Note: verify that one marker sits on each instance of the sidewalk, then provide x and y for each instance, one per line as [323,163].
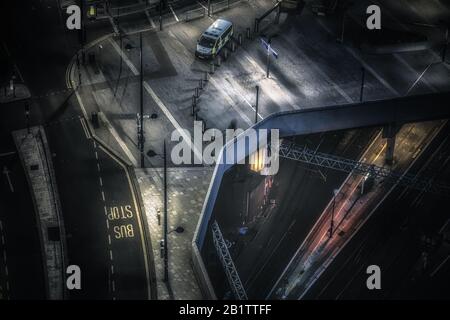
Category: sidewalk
[187,189]
[34,153]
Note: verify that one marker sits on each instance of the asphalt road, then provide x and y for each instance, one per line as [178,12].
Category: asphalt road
[103,232]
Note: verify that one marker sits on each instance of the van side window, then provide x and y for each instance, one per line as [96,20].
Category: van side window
[226,33]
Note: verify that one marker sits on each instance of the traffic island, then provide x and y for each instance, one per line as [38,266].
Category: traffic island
[35,156]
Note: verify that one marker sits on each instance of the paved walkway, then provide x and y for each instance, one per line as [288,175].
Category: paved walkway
[187,189]
[34,153]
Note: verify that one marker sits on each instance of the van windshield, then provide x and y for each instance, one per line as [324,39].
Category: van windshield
[207,42]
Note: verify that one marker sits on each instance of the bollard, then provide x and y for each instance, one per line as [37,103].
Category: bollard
[194,103]
[211,70]
[203,126]
[200,84]
[240,39]
[248,33]
[219,60]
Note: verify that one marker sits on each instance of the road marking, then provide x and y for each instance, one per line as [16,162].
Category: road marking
[171,9]
[6,269]
[111,255]
[86,131]
[109,239]
[98,167]
[106,210]
[231,102]
[96,155]
[202,5]
[101,181]
[158,101]
[138,218]
[103,196]
[107,224]
[111,20]
[409,67]
[113,286]
[418,79]
[439,266]
[7,154]
[366,66]
[112,269]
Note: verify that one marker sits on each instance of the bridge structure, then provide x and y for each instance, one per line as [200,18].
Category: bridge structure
[383,113]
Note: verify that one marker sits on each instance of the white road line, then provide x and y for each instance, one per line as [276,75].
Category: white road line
[95,145]
[409,67]
[158,101]
[107,224]
[113,286]
[440,231]
[109,239]
[101,181]
[106,210]
[103,196]
[148,17]
[86,131]
[119,140]
[173,12]
[439,266]
[111,255]
[231,102]
[96,155]
[366,66]
[202,5]
[112,269]
[98,167]
[6,270]
[418,79]
[138,213]
[111,20]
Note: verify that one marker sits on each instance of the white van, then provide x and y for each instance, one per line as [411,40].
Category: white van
[214,39]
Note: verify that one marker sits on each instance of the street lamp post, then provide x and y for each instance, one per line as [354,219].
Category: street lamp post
[256,104]
[166,251]
[27,116]
[363,78]
[141,118]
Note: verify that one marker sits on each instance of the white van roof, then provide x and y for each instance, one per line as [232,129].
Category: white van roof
[217,28]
